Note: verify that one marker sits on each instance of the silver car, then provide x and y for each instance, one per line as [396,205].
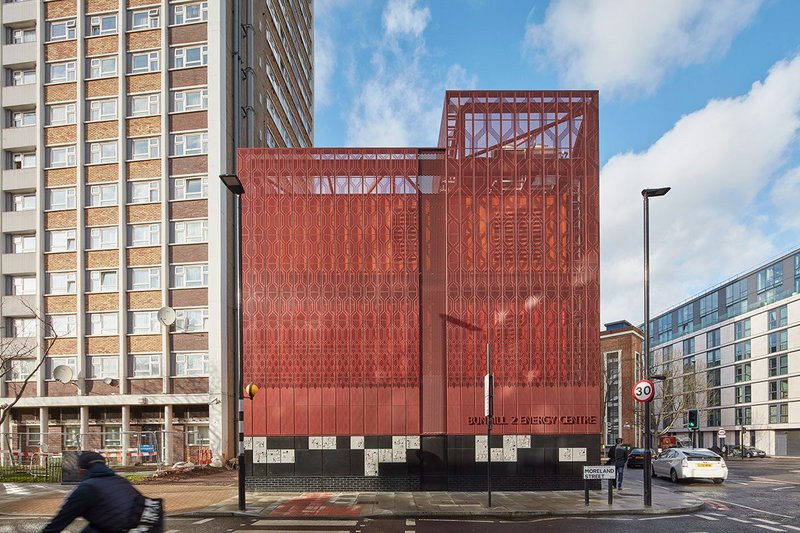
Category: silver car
[690,463]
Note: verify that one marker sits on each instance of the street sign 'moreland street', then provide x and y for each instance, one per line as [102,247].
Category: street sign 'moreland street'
[599,472]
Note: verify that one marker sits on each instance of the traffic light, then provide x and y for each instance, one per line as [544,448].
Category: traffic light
[693,419]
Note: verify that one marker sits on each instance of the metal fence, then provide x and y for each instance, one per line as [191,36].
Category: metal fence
[20,467]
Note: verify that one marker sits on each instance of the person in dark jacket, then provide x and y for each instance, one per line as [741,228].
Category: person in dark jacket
[107,501]
[620,458]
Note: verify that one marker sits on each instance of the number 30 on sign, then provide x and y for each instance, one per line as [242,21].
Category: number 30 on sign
[643,390]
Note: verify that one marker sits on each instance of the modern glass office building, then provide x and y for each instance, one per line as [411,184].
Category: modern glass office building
[375,278]
[732,354]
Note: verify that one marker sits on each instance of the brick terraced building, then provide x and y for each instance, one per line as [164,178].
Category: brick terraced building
[374,279]
[118,118]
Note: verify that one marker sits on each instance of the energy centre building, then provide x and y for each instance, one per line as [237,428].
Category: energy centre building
[375,278]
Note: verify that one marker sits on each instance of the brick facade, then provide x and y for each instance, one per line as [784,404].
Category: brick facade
[102,345]
[101,45]
[62,92]
[102,302]
[101,216]
[188,77]
[59,176]
[150,168]
[188,253]
[108,129]
[145,300]
[102,87]
[143,83]
[60,261]
[102,258]
[60,8]
[144,343]
[144,40]
[60,135]
[628,342]
[101,173]
[144,126]
[61,51]
[145,256]
[61,219]
[144,213]
[66,303]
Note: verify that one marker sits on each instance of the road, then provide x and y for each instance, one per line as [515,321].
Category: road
[760,495]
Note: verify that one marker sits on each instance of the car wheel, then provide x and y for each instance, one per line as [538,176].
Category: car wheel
[750,454]
[718,480]
[673,476]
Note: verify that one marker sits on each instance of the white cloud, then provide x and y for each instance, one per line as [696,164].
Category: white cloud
[399,103]
[326,15]
[720,162]
[628,46]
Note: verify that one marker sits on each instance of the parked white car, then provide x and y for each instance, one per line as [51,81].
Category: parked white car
[690,463]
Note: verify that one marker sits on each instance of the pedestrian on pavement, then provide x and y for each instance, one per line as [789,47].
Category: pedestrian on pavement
[620,457]
[107,501]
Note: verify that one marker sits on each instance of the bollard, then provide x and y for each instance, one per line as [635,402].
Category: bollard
[610,492]
[586,492]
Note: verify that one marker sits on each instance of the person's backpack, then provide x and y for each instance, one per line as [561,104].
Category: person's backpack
[151,515]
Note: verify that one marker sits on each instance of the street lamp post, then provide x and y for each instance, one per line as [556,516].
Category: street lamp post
[648,438]
[235,186]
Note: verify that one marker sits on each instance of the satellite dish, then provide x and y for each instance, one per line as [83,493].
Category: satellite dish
[166,315]
[62,374]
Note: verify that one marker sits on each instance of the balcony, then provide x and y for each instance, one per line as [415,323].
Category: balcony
[19,138]
[19,305]
[17,12]
[20,180]
[20,53]
[19,221]
[19,263]
[20,95]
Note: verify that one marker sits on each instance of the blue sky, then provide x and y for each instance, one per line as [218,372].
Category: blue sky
[700,96]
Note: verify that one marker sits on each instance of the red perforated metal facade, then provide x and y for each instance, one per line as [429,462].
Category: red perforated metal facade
[373,278]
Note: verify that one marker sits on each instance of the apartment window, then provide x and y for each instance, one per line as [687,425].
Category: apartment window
[23,35]
[190,13]
[61,114]
[779,389]
[709,306]
[145,234]
[779,413]
[145,365]
[190,56]
[742,350]
[72,437]
[190,100]
[197,436]
[688,363]
[105,152]
[33,436]
[22,285]
[102,25]
[145,148]
[190,144]
[741,329]
[190,188]
[688,346]
[20,119]
[145,278]
[23,327]
[777,341]
[112,436]
[22,244]
[102,67]
[685,315]
[101,238]
[103,367]
[143,322]
[712,358]
[61,282]
[186,276]
[61,30]
[21,160]
[714,418]
[713,398]
[190,320]
[777,318]
[62,325]
[22,368]
[23,77]
[144,192]
[714,378]
[25,201]
[141,62]
[769,277]
[63,198]
[144,105]
[61,156]
[103,109]
[712,338]
[744,394]
[744,416]
[190,231]
[102,280]
[736,292]
[102,195]
[55,362]
[145,19]
[191,364]
[61,72]
[102,323]
[61,240]
[778,365]
[742,372]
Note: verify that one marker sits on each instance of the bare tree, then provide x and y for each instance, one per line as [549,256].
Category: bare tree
[683,389]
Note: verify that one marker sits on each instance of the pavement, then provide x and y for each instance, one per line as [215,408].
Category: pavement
[20,499]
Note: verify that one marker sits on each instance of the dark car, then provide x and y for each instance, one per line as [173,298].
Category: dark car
[636,458]
[751,451]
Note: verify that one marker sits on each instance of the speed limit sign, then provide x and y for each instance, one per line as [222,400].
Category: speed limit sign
[643,390]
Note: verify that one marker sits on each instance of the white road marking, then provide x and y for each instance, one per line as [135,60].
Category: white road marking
[203,521]
[410,522]
[767,521]
[716,514]
[791,527]
[739,520]
[303,522]
[292,531]
[662,517]
[784,488]
[757,510]
[704,517]
[769,527]
[172,531]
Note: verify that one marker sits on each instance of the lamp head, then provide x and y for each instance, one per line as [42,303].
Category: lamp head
[233,183]
[651,193]
[658,377]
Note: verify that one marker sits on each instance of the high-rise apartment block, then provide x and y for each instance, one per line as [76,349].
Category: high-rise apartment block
[118,118]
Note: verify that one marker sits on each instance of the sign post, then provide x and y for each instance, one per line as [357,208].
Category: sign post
[608,472]
[488,408]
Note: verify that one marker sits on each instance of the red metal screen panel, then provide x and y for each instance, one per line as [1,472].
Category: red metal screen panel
[374,278]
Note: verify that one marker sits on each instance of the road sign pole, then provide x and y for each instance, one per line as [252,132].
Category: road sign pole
[489,407]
